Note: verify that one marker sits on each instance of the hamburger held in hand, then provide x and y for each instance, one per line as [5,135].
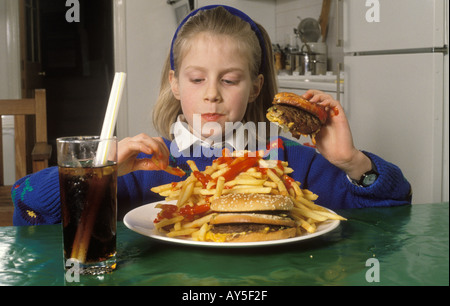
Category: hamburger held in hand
[297,115]
[251,217]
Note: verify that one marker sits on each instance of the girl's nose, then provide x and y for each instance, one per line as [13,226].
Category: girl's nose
[212,94]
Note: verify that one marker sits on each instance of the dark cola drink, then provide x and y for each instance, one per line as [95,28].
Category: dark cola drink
[89,214]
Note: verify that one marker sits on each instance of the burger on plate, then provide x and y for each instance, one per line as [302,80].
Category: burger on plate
[250,218]
[296,115]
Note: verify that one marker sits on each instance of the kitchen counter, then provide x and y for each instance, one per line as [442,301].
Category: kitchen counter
[319,82]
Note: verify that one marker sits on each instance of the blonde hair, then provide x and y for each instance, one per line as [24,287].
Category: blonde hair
[218,21]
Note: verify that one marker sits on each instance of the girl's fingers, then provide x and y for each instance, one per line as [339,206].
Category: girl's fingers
[144,144]
[129,149]
[145,164]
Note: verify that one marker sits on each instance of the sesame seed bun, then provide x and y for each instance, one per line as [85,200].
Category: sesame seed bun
[241,202]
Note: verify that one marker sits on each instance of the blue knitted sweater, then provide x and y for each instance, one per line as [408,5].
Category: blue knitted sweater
[36,196]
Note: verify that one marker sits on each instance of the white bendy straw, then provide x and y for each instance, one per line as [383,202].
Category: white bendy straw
[109,122]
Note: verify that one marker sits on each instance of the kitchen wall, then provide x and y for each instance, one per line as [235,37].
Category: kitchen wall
[149,26]
[262,11]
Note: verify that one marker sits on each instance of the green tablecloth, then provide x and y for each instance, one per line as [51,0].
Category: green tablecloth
[410,245]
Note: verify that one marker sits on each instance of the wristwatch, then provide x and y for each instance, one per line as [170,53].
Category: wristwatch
[367,178]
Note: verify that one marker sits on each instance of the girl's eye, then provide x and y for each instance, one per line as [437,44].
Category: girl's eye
[196,81]
[229,82]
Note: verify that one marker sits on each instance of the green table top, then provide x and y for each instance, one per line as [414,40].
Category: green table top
[410,245]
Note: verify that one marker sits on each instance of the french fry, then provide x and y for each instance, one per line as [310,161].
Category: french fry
[201,233]
[308,203]
[169,169]
[304,224]
[251,181]
[182,232]
[257,175]
[170,194]
[273,176]
[282,188]
[270,184]
[192,165]
[210,169]
[278,171]
[219,187]
[330,215]
[310,195]
[162,188]
[185,194]
[199,222]
[165,222]
[288,170]
[297,190]
[220,172]
[308,213]
[210,184]
[291,192]
[177,226]
[248,189]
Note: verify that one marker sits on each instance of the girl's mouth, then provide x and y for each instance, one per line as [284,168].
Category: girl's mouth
[211,116]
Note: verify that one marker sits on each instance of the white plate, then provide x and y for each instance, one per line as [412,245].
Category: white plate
[141,219]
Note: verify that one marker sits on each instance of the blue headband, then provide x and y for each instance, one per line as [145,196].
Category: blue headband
[234,12]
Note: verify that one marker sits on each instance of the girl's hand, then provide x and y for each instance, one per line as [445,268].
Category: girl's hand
[334,140]
[130,147]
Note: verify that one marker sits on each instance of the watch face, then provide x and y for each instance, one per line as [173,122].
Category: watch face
[369,179]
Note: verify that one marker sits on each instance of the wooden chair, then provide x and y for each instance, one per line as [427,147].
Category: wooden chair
[32,151]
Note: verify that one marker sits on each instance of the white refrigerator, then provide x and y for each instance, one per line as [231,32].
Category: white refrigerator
[396,87]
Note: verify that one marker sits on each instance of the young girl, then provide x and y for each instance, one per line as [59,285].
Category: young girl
[220,71]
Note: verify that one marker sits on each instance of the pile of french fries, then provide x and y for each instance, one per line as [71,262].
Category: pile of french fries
[237,173]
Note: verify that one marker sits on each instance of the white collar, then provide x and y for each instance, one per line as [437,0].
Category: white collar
[184,138]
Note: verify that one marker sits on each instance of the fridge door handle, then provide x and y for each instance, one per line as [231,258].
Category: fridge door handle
[338,23]
[338,82]
[339,96]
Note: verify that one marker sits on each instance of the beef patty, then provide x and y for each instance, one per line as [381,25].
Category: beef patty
[305,123]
